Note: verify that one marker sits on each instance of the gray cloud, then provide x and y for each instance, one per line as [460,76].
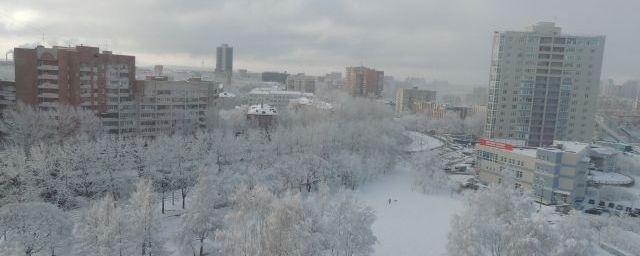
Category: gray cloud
[435,39]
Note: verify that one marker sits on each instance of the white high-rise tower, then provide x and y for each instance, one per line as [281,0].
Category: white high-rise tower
[543,85]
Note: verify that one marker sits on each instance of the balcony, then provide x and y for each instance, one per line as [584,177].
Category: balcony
[49,77]
[47,67]
[48,95]
[47,86]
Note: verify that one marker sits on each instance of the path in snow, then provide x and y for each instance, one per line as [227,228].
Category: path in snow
[421,142]
[417,224]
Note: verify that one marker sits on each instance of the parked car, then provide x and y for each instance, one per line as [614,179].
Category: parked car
[593,211]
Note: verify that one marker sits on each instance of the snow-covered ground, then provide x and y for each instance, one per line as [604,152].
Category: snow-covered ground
[421,142]
[610,178]
[415,224]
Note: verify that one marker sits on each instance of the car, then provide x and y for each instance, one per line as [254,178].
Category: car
[612,205]
[593,211]
[619,208]
[591,201]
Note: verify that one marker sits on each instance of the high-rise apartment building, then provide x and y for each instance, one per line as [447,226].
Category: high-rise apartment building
[362,81]
[409,99]
[224,62]
[543,85]
[79,76]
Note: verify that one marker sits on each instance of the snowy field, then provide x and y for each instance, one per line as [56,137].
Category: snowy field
[421,142]
[415,224]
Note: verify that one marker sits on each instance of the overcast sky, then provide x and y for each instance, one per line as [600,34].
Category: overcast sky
[447,39]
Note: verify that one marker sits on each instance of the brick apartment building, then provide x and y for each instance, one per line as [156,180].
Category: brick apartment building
[362,81]
[80,76]
[77,76]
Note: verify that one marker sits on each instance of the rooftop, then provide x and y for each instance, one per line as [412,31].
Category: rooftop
[262,110]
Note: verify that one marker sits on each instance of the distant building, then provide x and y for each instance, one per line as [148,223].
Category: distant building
[262,115]
[275,77]
[157,70]
[364,82]
[224,62]
[7,70]
[79,76]
[408,99]
[7,95]
[168,107]
[543,85]
[553,175]
[479,96]
[301,83]
[274,96]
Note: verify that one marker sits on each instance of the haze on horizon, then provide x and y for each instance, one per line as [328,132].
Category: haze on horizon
[446,40]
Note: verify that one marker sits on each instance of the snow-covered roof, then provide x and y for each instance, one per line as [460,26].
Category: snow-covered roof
[302,101]
[571,146]
[530,152]
[263,110]
[610,178]
[602,151]
[226,95]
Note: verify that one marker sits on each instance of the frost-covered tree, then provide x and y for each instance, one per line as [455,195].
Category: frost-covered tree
[143,229]
[349,228]
[199,222]
[27,126]
[502,221]
[102,230]
[33,227]
[429,177]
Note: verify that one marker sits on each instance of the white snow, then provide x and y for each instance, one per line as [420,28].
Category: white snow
[421,142]
[610,178]
[415,224]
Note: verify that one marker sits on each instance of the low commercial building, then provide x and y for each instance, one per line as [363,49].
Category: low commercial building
[274,96]
[553,175]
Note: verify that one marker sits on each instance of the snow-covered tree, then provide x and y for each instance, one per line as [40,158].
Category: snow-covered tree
[204,217]
[33,227]
[143,228]
[102,230]
[349,228]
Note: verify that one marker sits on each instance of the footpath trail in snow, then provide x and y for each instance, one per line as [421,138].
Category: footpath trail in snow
[415,224]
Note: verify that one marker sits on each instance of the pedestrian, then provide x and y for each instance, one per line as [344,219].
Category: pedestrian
[389,201]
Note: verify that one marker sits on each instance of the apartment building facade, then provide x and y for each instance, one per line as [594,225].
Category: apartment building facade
[409,99]
[552,175]
[168,107]
[543,85]
[80,76]
[364,82]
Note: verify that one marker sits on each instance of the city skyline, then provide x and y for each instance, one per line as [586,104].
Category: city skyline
[444,41]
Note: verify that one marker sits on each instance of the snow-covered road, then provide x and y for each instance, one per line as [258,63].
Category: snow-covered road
[415,224]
